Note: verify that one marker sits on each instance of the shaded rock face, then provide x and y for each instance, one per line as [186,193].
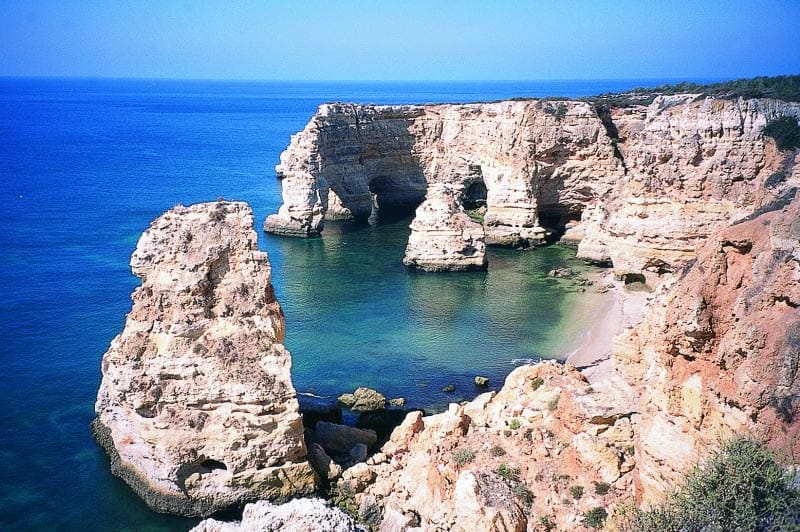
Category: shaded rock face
[718,352]
[503,460]
[299,515]
[675,171]
[196,407]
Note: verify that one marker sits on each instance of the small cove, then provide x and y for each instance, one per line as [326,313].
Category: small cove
[88,164]
[356,316]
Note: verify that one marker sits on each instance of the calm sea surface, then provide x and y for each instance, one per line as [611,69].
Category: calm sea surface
[85,165]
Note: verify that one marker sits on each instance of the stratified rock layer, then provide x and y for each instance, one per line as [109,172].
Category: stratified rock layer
[443,237]
[719,350]
[650,183]
[196,407]
[515,151]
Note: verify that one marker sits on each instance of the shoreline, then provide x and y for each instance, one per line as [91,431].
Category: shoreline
[624,308]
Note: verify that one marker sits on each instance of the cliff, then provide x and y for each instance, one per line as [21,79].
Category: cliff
[196,407]
[719,350]
[649,183]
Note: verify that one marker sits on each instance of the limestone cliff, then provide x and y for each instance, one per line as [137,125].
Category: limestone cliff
[650,183]
[512,155]
[694,165]
[719,350]
[196,408]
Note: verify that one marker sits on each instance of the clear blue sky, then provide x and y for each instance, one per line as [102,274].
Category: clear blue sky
[404,40]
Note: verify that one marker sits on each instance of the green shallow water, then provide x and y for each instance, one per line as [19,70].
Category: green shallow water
[356,316]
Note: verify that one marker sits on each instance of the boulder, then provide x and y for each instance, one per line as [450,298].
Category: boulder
[341,438]
[299,515]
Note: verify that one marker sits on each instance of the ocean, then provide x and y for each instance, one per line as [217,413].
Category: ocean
[86,165]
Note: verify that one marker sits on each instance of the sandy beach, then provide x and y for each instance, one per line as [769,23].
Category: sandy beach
[623,309]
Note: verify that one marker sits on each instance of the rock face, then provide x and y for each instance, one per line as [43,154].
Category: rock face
[443,237]
[299,515]
[503,460]
[650,183]
[509,155]
[196,407]
[718,352]
[694,165]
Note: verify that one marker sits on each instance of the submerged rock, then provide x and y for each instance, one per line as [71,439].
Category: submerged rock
[299,515]
[196,408]
[363,400]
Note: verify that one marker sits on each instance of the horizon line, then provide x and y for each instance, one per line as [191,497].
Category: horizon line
[288,80]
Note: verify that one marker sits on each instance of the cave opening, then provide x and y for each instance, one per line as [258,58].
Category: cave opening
[393,200]
[555,218]
[474,196]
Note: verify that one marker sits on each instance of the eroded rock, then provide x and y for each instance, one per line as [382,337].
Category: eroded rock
[196,407]
[299,515]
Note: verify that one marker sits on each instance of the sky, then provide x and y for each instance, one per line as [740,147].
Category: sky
[403,40]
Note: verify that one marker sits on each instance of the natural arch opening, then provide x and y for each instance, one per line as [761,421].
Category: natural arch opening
[394,199]
[475,196]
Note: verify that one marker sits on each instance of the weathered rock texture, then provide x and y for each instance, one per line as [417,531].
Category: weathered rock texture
[299,515]
[443,236]
[650,183]
[196,407]
[502,461]
[516,150]
[719,351]
[693,167]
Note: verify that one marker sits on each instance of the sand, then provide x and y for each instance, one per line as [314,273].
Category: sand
[622,309]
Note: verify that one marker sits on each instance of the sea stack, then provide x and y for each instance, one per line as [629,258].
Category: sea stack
[443,237]
[196,408]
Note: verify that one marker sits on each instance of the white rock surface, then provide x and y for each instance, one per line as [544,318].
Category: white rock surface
[196,407]
[299,515]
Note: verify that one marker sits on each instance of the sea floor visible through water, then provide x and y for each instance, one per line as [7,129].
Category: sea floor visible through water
[86,165]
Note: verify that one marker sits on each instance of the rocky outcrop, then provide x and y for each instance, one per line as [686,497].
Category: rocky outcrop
[650,183]
[719,350]
[504,460]
[512,155]
[196,407]
[694,165]
[299,515]
[443,237]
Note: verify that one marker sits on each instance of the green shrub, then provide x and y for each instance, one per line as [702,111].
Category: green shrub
[553,404]
[497,451]
[595,517]
[513,424]
[576,492]
[785,131]
[547,523]
[508,472]
[536,383]
[462,456]
[601,488]
[741,487]
[522,493]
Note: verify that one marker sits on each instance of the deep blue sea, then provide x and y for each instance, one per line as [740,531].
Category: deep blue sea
[85,165]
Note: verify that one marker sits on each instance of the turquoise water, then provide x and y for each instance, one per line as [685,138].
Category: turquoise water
[86,165]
